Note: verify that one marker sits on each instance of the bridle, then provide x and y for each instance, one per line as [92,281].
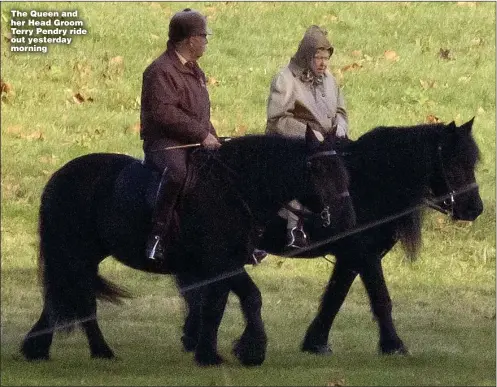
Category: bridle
[324,215]
[448,199]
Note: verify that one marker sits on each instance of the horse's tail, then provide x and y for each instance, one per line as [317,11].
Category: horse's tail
[109,291]
[69,247]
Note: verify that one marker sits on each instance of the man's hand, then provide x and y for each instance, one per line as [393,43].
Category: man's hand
[211,142]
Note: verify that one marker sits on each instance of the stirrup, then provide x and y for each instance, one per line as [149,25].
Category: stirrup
[296,240]
[155,253]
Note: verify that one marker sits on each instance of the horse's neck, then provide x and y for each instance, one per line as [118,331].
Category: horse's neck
[398,168]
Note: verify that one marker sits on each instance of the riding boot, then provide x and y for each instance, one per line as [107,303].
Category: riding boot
[166,198]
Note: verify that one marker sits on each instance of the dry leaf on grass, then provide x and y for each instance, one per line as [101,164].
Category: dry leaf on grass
[36,135]
[432,119]
[353,66]
[391,55]
[15,129]
[240,130]
[135,128]
[79,98]
[444,54]
[5,87]
[212,81]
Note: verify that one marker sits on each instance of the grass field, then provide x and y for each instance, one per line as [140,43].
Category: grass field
[399,64]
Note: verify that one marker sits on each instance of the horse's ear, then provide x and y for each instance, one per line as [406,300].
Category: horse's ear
[468,125]
[311,138]
[451,125]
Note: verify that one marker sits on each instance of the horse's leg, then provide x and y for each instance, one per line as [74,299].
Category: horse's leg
[193,299]
[36,344]
[215,296]
[381,305]
[250,349]
[316,338]
[98,347]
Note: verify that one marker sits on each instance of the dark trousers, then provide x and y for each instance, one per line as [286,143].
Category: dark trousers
[173,164]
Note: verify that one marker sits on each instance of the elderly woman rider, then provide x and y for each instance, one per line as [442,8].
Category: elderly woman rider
[306,93]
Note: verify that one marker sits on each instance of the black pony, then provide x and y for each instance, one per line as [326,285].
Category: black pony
[394,172]
[100,204]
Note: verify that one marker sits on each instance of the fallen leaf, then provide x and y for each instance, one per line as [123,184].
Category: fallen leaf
[212,81]
[37,135]
[444,54]
[117,60]
[391,55]
[353,66]
[80,98]
[135,128]
[5,87]
[432,119]
[356,53]
[241,129]
[16,129]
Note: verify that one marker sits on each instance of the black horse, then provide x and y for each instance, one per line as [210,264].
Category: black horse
[394,172]
[96,206]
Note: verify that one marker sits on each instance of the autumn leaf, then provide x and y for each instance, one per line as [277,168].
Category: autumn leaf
[37,135]
[5,87]
[135,128]
[117,61]
[444,54]
[432,119]
[212,81]
[391,55]
[240,130]
[79,98]
[353,66]
[15,130]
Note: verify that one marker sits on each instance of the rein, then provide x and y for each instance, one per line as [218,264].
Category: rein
[324,215]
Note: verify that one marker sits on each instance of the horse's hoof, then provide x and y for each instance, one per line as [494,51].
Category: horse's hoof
[397,348]
[36,356]
[250,355]
[318,349]
[208,360]
[189,343]
[31,353]
[103,354]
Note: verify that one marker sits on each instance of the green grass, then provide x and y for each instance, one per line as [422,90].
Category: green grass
[444,303]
